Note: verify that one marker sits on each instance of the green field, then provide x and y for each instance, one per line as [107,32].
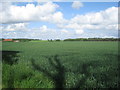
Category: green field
[75,64]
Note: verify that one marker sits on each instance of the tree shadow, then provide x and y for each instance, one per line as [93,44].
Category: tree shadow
[10,57]
[59,77]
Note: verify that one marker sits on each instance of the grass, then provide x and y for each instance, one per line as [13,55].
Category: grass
[39,41]
[60,64]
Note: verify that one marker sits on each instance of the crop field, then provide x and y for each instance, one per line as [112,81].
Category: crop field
[82,64]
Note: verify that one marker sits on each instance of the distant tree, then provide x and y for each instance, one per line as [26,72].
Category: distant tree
[51,40]
[57,40]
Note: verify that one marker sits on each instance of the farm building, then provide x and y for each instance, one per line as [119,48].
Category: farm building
[16,41]
[7,40]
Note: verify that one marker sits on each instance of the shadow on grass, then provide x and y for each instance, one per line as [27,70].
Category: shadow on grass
[10,57]
[59,77]
[86,72]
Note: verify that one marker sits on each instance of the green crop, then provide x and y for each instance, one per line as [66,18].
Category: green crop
[87,64]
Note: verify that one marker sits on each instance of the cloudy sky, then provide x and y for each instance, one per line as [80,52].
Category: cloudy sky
[59,20]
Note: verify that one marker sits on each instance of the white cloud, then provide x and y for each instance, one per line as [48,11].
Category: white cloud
[108,16]
[21,30]
[30,12]
[44,28]
[65,31]
[107,20]
[79,31]
[77,4]
[15,27]
[42,12]
[58,18]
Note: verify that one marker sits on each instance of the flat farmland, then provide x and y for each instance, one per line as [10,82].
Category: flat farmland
[65,64]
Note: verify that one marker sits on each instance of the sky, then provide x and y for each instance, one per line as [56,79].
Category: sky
[59,20]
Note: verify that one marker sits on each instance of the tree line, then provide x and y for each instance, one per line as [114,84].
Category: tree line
[76,39]
[93,39]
